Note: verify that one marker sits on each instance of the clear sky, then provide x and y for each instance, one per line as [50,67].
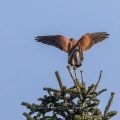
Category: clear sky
[26,66]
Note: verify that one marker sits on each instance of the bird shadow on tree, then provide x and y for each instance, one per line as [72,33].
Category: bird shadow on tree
[78,102]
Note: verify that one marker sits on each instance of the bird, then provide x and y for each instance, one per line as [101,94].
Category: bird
[74,48]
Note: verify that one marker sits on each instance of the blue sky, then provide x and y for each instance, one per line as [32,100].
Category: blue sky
[26,66]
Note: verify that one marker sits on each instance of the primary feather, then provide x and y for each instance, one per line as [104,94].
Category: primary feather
[58,41]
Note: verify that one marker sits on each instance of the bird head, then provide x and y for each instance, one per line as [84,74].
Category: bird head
[71,39]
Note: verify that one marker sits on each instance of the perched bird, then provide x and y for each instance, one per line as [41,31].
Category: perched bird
[73,47]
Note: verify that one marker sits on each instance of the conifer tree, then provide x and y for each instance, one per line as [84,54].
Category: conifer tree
[78,102]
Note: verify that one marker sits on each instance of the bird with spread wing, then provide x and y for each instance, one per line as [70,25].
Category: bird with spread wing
[73,47]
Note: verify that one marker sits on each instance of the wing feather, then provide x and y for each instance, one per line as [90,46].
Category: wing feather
[58,41]
[90,39]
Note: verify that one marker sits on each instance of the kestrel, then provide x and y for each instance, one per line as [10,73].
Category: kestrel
[73,47]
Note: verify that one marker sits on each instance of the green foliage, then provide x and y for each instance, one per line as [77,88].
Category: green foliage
[78,102]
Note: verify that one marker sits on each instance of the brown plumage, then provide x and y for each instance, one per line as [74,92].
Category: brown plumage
[83,44]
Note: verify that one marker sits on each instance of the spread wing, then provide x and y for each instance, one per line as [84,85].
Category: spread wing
[90,39]
[58,41]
